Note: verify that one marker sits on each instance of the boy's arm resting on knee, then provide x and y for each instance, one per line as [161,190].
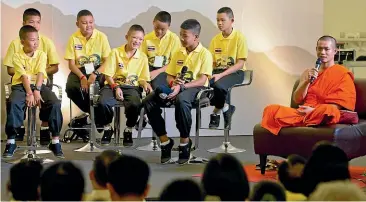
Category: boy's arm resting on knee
[10,70]
[74,69]
[238,65]
[26,84]
[40,78]
[198,82]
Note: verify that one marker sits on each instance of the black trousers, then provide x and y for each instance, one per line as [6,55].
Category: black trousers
[222,86]
[159,80]
[183,106]
[107,100]
[74,92]
[50,111]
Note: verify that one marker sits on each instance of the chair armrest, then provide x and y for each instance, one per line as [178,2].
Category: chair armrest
[59,94]
[7,87]
[207,92]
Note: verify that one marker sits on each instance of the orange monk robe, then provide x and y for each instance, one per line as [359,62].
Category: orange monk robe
[335,85]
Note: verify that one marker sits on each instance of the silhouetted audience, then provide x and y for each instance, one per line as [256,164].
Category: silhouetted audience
[174,191]
[268,191]
[128,178]
[225,178]
[24,181]
[337,191]
[62,181]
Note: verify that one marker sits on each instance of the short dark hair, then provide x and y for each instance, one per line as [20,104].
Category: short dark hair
[164,17]
[129,175]
[172,192]
[192,25]
[26,29]
[291,183]
[226,10]
[136,27]
[268,191]
[24,180]
[328,38]
[65,176]
[225,177]
[100,166]
[30,12]
[83,13]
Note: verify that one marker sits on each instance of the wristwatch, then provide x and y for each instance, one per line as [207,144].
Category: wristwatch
[182,87]
[96,72]
[38,88]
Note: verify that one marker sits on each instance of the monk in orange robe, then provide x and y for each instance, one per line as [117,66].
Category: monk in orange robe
[332,90]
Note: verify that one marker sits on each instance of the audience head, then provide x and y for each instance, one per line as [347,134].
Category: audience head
[62,181]
[225,18]
[326,48]
[32,17]
[85,22]
[290,172]
[29,38]
[173,191]
[337,191]
[98,175]
[189,32]
[161,23]
[24,180]
[128,178]
[268,191]
[135,36]
[327,163]
[225,177]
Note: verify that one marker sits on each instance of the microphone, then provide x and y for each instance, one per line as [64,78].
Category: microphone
[317,67]
[183,72]
[164,91]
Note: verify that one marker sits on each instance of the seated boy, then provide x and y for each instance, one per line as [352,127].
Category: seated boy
[126,69]
[32,17]
[28,90]
[230,51]
[87,48]
[198,61]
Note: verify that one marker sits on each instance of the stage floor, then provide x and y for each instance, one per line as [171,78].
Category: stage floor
[161,174]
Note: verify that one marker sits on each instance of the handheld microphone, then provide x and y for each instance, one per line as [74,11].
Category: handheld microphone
[183,72]
[317,67]
[164,91]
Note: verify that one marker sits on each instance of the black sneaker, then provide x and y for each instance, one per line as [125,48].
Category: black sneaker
[107,136]
[9,150]
[44,137]
[144,123]
[127,139]
[20,136]
[166,152]
[56,150]
[185,153]
[214,121]
[227,116]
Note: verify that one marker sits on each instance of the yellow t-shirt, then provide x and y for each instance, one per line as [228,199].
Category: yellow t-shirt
[45,45]
[127,71]
[30,66]
[87,51]
[199,62]
[165,47]
[226,51]
[291,196]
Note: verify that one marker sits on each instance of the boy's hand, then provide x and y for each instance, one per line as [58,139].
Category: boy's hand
[29,100]
[84,84]
[37,97]
[178,81]
[119,94]
[91,79]
[175,92]
[147,87]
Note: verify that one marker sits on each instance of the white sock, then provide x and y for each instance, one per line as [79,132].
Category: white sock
[128,129]
[55,141]
[10,141]
[165,143]
[225,108]
[183,144]
[216,111]
[107,127]
[45,127]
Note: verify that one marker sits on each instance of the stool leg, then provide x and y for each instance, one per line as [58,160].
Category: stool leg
[153,145]
[117,126]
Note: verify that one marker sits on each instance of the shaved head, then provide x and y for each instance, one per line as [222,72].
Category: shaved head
[328,38]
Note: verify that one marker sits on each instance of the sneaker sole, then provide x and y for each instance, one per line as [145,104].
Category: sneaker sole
[213,127]
[170,161]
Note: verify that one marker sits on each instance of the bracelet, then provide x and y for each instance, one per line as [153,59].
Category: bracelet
[171,83]
[182,88]
[113,86]
[83,76]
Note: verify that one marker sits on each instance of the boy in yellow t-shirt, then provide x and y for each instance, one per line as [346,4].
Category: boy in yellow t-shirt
[86,50]
[32,17]
[197,61]
[28,90]
[230,52]
[126,69]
